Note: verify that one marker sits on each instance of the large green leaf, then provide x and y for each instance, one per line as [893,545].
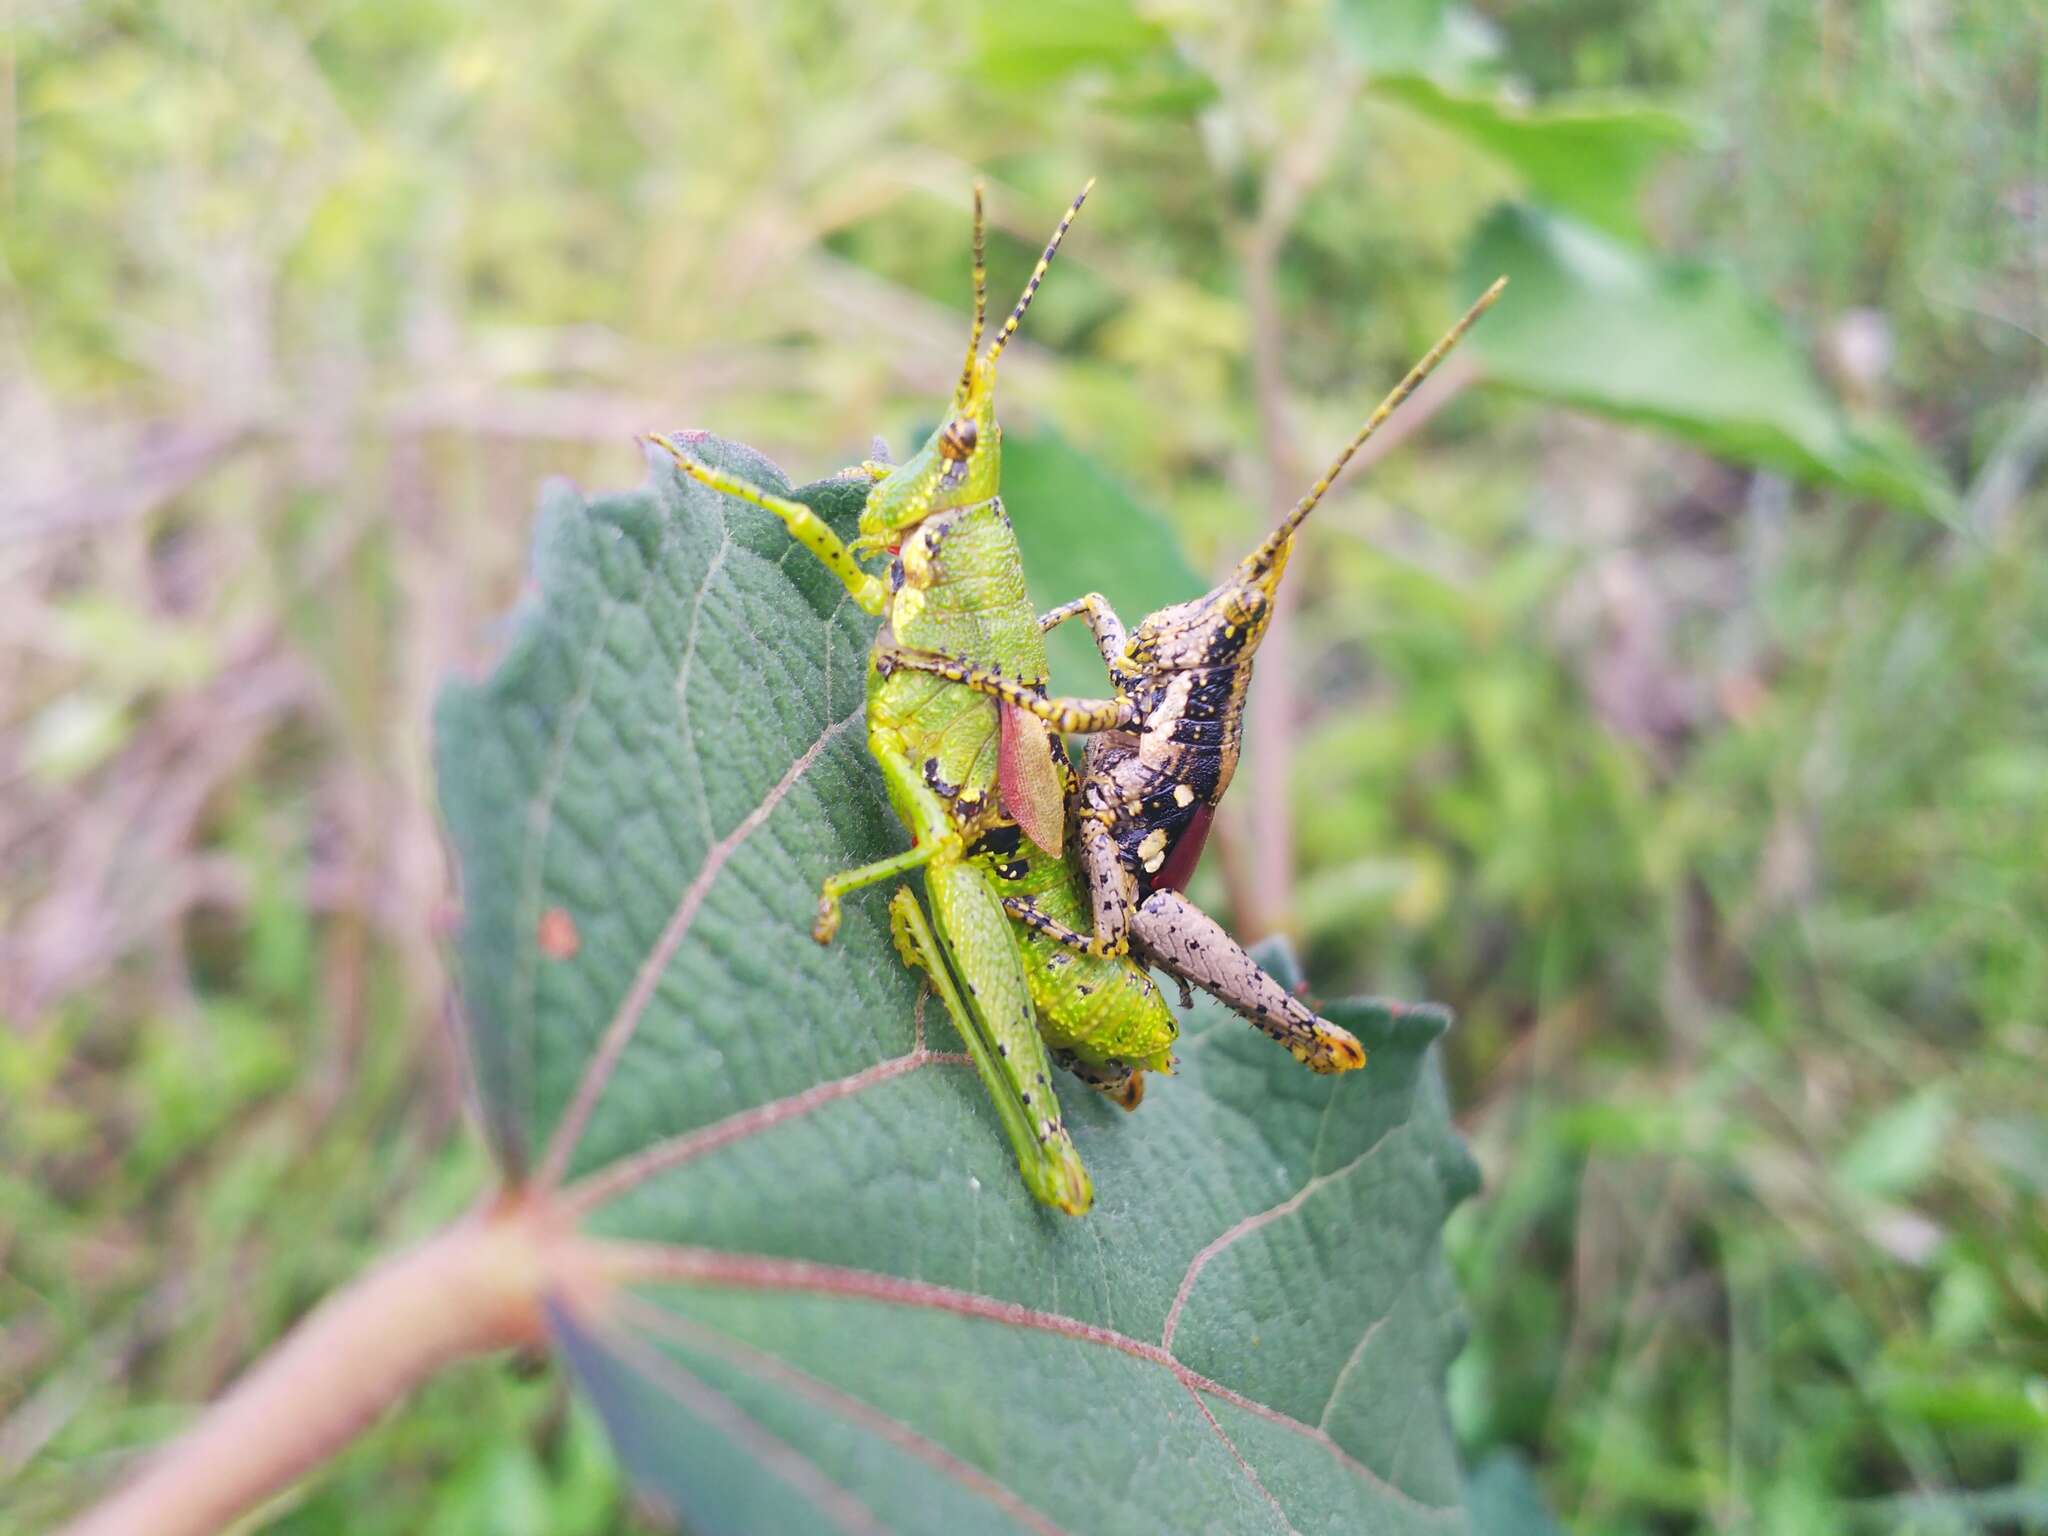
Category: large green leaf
[1585,157]
[1593,323]
[844,1311]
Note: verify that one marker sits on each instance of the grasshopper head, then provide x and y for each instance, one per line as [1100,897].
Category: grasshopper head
[1224,625]
[960,464]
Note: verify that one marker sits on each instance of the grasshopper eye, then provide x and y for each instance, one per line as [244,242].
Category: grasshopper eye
[958,440]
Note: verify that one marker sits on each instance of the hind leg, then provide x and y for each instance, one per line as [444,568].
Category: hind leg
[1179,937]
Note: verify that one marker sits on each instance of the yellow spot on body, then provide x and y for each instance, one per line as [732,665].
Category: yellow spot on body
[1183,796]
[1152,851]
[909,604]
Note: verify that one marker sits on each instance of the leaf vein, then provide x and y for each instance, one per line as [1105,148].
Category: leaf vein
[856,1410]
[1237,1455]
[1252,1223]
[618,1178]
[788,1462]
[629,1261]
[1351,1364]
[619,1032]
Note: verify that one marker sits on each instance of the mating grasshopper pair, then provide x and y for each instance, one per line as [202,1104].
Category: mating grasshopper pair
[1035,950]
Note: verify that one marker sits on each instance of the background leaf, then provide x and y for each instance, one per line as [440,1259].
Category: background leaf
[1587,158]
[882,1329]
[1429,37]
[1680,347]
[1130,59]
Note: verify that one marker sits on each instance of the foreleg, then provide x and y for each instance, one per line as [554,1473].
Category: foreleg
[804,525]
[1103,623]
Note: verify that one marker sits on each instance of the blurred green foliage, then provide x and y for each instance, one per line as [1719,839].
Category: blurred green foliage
[1639,713]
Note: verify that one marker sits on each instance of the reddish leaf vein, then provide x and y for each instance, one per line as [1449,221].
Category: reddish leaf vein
[856,1410]
[619,1032]
[637,1261]
[609,1183]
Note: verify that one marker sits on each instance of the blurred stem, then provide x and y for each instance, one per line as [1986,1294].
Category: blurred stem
[1266,892]
[473,1289]
[1267,887]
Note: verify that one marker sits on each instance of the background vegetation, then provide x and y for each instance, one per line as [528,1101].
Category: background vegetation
[1709,787]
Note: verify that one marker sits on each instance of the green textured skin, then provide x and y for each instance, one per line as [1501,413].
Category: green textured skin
[973,603]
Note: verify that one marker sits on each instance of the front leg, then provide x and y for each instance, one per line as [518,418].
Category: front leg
[1103,623]
[1078,717]
[804,525]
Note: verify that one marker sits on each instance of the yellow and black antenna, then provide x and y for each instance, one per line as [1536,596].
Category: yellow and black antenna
[1262,559]
[980,303]
[995,348]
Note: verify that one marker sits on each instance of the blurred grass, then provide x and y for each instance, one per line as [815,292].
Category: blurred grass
[1715,804]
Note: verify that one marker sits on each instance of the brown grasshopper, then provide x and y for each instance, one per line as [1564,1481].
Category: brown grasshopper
[1163,752]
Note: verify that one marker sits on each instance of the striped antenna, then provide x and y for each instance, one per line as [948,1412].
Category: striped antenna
[1276,541]
[995,348]
[980,305]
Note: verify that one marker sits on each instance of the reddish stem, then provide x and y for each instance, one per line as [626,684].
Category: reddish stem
[471,1290]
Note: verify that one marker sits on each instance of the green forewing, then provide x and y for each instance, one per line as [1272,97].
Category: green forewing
[663,766]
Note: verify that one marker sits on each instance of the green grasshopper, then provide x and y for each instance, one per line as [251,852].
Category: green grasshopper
[1162,754]
[961,770]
